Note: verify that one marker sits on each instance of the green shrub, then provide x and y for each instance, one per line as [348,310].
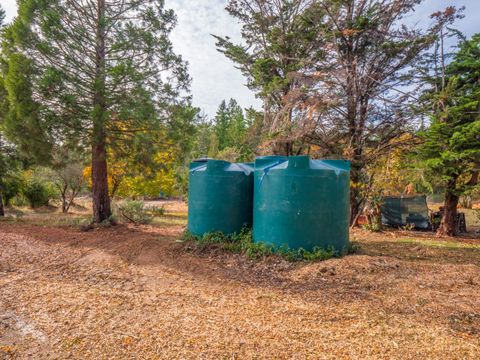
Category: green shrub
[134,211]
[373,227]
[157,210]
[302,254]
[11,188]
[243,243]
[409,227]
[19,200]
[37,193]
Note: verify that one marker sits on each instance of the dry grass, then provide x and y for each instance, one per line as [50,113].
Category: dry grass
[135,292]
[175,214]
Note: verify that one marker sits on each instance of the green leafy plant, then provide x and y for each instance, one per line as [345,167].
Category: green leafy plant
[373,227]
[302,254]
[157,210]
[409,227]
[134,211]
[37,193]
[243,243]
[12,187]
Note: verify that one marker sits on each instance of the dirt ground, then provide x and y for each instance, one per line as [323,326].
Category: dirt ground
[139,292]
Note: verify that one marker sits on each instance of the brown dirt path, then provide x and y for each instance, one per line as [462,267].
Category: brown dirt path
[126,292]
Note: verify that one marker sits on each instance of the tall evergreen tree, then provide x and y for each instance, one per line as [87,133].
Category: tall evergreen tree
[222,123]
[451,150]
[2,16]
[182,128]
[102,71]
[237,126]
[230,128]
[4,148]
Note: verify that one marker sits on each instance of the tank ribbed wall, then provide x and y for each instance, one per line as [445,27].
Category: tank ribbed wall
[301,203]
[220,197]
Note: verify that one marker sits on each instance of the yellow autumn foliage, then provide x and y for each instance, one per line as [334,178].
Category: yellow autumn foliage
[391,175]
[149,183]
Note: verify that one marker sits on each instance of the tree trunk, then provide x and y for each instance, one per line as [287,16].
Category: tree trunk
[115,185]
[351,117]
[2,211]
[101,199]
[64,206]
[448,224]
[354,206]
[63,193]
[355,196]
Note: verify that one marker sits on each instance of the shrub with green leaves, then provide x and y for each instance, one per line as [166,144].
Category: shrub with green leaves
[373,227]
[37,193]
[134,211]
[11,188]
[157,210]
[243,243]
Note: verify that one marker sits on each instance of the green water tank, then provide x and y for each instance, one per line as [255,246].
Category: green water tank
[220,197]
[301,203]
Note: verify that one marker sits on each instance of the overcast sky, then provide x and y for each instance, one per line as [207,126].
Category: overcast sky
[215,77]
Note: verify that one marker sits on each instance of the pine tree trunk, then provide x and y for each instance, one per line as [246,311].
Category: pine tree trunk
[448,224]
[355,195]
[2,211]
[101,199]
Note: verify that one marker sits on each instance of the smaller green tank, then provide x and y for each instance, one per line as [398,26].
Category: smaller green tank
[220,197]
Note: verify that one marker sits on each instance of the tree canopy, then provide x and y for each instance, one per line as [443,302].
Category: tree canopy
[91,74]
[450,153]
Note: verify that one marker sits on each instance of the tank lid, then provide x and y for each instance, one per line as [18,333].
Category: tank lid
[270,160]
[299,162]
[214,165]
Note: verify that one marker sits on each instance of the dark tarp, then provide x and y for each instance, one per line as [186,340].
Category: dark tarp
[404,210]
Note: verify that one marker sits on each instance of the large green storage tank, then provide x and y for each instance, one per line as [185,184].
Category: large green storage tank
[220,197]
[301,203]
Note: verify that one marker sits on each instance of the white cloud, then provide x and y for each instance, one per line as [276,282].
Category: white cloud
[214,76]
[10,7]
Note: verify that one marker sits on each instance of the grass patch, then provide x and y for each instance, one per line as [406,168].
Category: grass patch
[242,243]
[55,221]
[166,220]
[439,244]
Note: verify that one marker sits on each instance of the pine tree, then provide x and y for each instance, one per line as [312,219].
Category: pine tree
[451,150]
[222,123]
[103,71]
[4,160]
[2,17]
[237,127]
